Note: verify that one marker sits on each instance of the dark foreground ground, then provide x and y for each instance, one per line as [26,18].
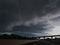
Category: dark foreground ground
[29,42]
[14,41]
[45,42]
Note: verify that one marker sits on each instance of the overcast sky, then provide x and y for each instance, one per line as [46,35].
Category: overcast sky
[30,17]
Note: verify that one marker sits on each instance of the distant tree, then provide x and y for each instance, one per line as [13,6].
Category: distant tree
[5,36]
[14,36]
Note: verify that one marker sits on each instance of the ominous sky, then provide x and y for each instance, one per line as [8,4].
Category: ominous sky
[30,17]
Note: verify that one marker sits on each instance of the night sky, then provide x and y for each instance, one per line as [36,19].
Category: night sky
[30,17]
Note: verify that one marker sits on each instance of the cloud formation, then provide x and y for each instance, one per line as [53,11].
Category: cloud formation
[23,13]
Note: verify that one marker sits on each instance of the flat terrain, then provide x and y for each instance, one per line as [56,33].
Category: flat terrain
[41,42]
[14,42]
[29,42]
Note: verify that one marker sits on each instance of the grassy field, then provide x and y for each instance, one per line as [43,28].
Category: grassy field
[14,41]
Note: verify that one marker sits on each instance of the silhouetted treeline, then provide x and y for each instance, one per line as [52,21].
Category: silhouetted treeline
[14,36]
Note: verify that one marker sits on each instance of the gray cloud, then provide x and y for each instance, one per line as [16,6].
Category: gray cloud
[36,30]
[25,12]
[32,28]
[56,19]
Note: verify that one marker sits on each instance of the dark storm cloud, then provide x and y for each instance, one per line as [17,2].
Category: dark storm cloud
[56,19]
[24,33]
[32,28]
[29,34]
[20,12]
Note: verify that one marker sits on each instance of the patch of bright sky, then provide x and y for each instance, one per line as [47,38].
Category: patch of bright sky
[56,26]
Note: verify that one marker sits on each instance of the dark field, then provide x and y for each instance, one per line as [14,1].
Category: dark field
[45,42]
[29,42]
[14,41]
